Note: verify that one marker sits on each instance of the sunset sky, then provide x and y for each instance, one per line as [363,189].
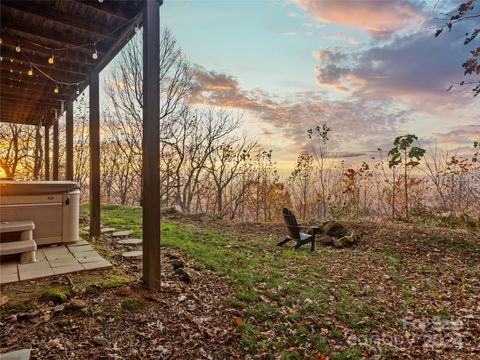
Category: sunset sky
[371,70]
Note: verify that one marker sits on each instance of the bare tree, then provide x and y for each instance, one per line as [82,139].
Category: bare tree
[16,146]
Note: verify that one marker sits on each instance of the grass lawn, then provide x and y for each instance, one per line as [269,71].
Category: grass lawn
[298,304]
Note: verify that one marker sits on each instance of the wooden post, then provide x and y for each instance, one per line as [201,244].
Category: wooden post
[94,130]
[55,149]
[69,141]
[47,153]
[151,144]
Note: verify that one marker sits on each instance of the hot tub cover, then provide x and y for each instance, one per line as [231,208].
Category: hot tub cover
[11,187]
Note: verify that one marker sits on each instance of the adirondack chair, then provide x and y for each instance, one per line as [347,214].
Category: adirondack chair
[295,233]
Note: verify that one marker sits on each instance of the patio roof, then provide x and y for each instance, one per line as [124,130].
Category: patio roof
[66,43]
[73,31]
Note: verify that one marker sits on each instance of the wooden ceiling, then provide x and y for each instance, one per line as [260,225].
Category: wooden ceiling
[73,29]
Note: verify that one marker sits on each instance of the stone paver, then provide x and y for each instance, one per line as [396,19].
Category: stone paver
[107,230]
[8,273]
[129,242]
[72,267]
[34,270]
[123,233]
[88,256]
[77,243]
[80,249]
[54,261]
[40,255]
[63,260]
[23,354]
[132,255]
[101,264]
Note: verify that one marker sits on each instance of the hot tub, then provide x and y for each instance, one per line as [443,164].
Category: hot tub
[52,205]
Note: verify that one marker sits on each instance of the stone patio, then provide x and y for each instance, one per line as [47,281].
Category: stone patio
[54,260]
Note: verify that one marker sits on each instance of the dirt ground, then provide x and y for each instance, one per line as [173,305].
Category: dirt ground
[110,315]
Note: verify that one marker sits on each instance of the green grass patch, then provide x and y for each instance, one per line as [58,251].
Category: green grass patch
[57,293]
[288,292]
[131,305]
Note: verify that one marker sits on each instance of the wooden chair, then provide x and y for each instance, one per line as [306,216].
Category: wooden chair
[295,233]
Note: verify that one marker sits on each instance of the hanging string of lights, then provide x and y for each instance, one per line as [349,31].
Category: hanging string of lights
[51,59]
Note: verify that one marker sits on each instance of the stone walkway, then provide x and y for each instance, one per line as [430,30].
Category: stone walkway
[54,260]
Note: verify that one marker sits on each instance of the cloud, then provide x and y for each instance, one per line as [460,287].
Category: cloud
[416,68]
[378,18]
[459,137]
[356,123]
[293,33]
[342,37]
[334,71]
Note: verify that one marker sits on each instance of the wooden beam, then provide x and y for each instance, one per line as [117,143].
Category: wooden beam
[106,9]
[122,39]
[15,98]
[52,71]
[47,153]
[94,132]
[52,38]
[28,109]
[45,13]
[28,82]
[16,88]
[151,144]
[69,141]
[39,56]
[55,149]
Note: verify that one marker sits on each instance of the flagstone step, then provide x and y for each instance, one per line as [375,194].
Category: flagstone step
[120,234]
[132,255]
[107,230]
[129,241]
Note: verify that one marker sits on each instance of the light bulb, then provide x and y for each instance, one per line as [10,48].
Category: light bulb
[17,48]
[50,59]
[100,1]
[1,41]
[30,72]
[55,90]
[78,90]
[95,55]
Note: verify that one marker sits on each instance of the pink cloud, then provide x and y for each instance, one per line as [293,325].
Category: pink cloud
[355,122]
[342,37]
[379,18]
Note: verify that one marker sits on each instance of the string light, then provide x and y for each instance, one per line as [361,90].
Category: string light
[50,59]
[100,1]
